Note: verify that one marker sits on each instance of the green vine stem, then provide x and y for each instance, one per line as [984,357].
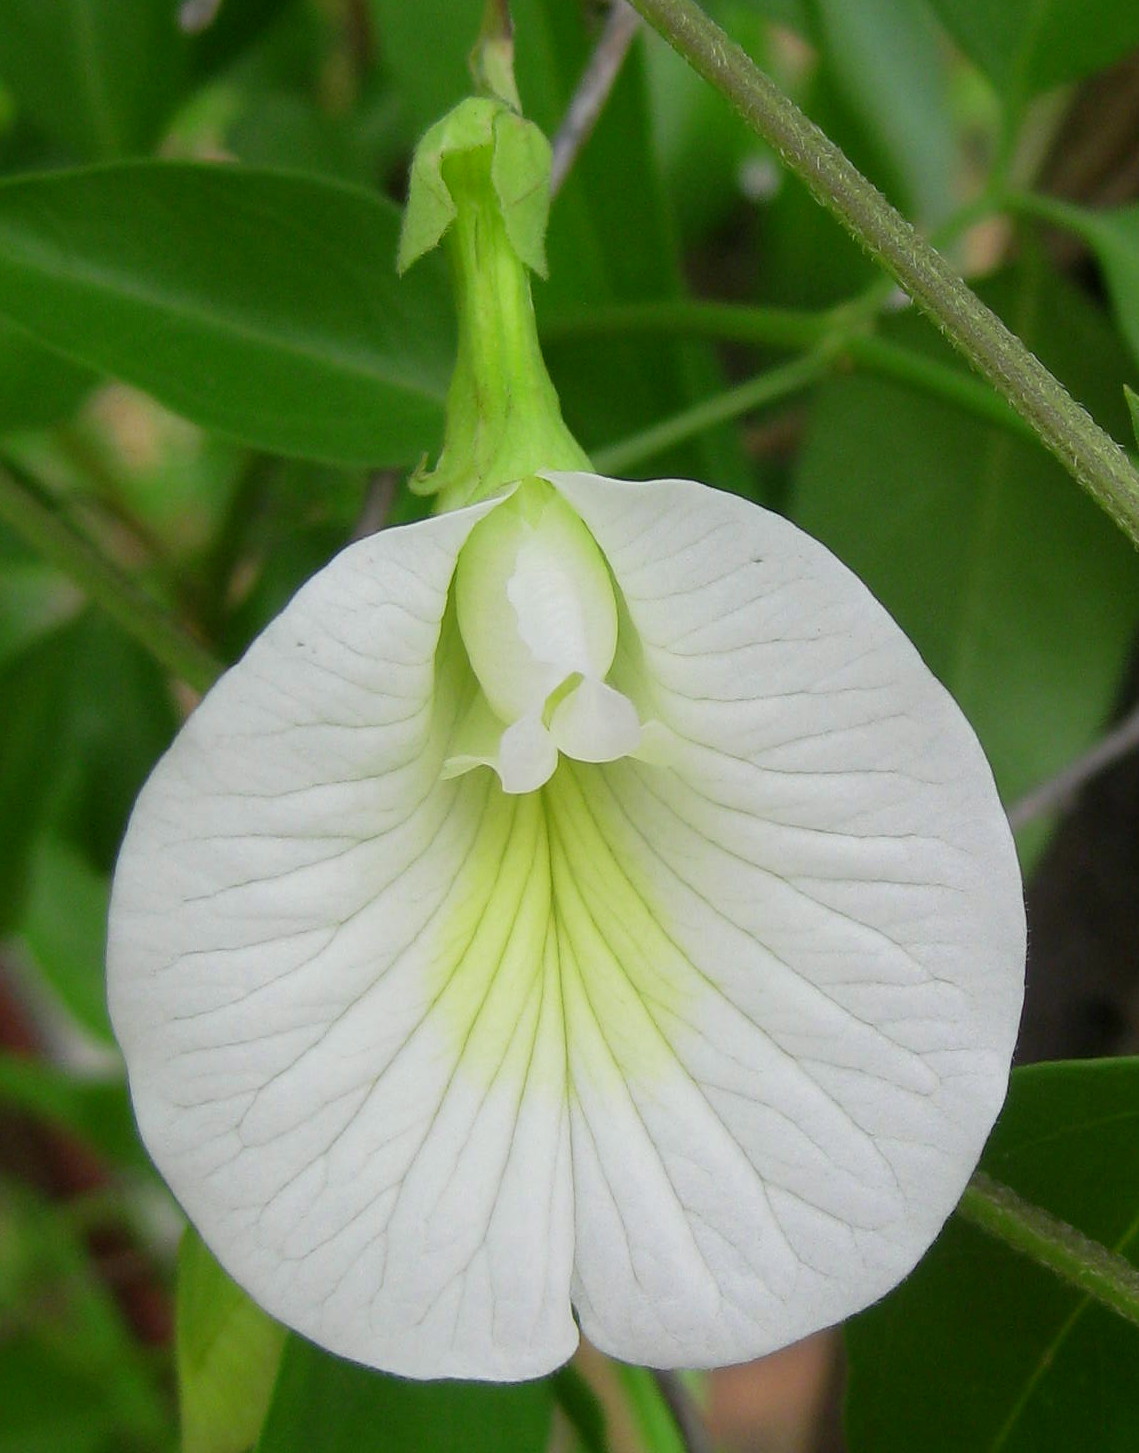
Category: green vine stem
[754,393]
[140,616]
[1052,1243]
[789,328]
[1066,429]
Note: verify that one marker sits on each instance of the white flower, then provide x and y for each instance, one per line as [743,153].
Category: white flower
[687,1017]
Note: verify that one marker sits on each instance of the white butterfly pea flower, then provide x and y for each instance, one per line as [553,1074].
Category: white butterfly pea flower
[579,909]
[704,1048]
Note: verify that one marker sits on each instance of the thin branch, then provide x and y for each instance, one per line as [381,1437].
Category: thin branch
[685,1412]
[379,497]
[104,584]
[765,388]
[1087,1265]
[794,329]
[1067,430]
[1058,791]
[593,90]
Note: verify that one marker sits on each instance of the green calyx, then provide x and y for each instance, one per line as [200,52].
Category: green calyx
[480,183]
[518,179]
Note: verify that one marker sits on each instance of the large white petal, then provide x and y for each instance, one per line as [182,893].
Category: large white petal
[724,1033]
[332,977]
[785,1063]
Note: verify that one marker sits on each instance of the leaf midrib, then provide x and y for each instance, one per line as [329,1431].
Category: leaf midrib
[355,363]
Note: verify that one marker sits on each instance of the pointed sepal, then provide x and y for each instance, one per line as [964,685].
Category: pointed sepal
[518,177]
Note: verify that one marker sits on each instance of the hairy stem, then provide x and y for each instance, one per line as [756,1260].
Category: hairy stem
[1090,455]
[1052,1243]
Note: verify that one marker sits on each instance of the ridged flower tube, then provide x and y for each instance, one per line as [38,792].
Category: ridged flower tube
[581,909]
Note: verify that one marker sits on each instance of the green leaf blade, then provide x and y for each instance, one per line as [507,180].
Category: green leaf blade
[228,1353]
[37,388]
[1114,237]
[887,65]
[97,76]
[981,1348]
[336,1406]
[96,1110]
[1028,46]
[262,305]
[1018,592]
[68,946]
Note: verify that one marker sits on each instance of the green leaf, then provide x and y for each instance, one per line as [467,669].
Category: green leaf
[809,259]
[84,714]
[98,76]
[235,27]
[1114,237]
[35,689]
[34,598]
[263,305]
[48,1408]
[650,1411]
[228,1352]
[37,388]
[276,128]
[1020,594]
[97,1111]
[338,1407]
[430,79]
[77,1342]
[65,929]
[793,13]
[703,148]
[582,1407]
[1027,46]
[887,63]
[120,717]
[1133,407]
[981,1349]
[115,724]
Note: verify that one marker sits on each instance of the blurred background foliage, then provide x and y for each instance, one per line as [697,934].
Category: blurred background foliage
[211,379]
